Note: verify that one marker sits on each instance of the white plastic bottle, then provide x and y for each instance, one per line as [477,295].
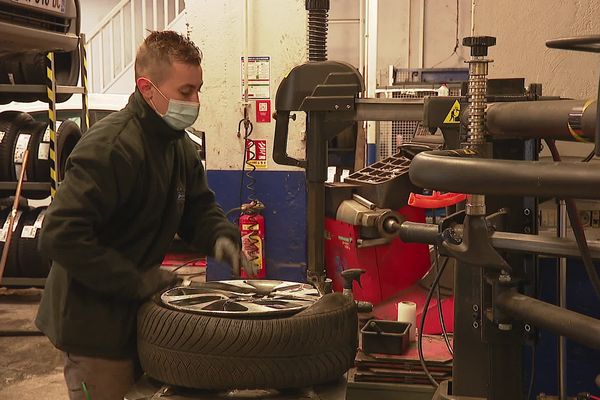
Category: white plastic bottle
[443,90]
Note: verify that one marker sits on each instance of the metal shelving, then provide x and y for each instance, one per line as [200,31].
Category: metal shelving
[51,89]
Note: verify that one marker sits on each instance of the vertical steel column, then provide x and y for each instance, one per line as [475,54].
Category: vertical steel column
[316,175]
[562,302]
[472,356]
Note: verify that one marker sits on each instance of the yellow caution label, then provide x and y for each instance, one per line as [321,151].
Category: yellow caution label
[453,114]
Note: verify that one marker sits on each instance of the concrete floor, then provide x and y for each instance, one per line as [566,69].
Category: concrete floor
[31,366]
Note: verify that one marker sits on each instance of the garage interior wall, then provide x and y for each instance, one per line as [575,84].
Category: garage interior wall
[277,30]
[522,28]
[399,39]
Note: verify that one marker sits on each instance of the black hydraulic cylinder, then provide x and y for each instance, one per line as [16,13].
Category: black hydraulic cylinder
[575,326]
[550,119]
[455,171]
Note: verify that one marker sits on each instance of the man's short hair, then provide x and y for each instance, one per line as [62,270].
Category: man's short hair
[160,49]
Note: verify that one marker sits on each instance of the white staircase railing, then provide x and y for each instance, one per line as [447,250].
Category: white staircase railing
[111,47]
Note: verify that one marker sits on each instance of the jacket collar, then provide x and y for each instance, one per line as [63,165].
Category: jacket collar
[152,123]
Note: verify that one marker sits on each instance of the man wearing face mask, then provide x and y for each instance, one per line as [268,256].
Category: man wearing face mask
[132,182]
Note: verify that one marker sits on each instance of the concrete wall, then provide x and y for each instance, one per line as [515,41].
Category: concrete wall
[277,29]
[522,28]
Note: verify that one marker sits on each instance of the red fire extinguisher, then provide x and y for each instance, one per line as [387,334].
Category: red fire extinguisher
[252,229]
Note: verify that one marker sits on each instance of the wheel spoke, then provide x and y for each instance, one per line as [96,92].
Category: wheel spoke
[286,297]
[195,300]
[230,286]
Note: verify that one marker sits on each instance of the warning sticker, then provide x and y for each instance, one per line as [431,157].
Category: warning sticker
[259,77]
[256,153]
[453,114]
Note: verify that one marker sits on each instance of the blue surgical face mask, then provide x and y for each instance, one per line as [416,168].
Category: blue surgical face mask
[180,114]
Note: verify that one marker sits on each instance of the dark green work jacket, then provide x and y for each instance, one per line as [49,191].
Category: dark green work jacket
[131,183]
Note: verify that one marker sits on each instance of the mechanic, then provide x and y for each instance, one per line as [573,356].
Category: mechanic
[131,183]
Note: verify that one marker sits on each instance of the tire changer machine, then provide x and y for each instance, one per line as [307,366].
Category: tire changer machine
[491,156]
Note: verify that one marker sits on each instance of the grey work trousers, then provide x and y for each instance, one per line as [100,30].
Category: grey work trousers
[98,378]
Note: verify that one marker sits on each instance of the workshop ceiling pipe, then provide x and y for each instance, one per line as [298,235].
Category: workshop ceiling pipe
[459,172]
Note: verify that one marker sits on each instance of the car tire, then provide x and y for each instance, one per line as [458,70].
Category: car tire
[11,73]
[66,67]
[32,263]
[317,345]
[30,69]
[40,160]
[37,131]
[25,140]
[12,268]
[11,123]
[67,136]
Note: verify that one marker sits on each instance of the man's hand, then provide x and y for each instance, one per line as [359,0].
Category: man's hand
[226,250]
[249,266]
[153,281]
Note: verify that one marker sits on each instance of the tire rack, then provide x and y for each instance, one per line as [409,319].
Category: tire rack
[51,89]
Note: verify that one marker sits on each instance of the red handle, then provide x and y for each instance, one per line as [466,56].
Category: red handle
[436,200]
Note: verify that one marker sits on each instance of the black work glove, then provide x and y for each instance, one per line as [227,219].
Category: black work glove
[155,280]
[228,251]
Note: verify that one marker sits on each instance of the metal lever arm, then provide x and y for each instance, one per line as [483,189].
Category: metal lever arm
[476,246]
[280,156]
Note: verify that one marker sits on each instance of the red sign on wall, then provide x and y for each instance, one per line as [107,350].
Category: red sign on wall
[256,153]
[263,110]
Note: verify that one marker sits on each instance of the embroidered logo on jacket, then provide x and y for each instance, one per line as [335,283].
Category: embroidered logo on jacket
[180,195]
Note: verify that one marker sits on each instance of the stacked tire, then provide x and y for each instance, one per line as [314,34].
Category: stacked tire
[20,132]
[30,69]
[24,258]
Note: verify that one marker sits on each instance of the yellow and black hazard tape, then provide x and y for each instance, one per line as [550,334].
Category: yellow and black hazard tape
[84,78]
[51,91]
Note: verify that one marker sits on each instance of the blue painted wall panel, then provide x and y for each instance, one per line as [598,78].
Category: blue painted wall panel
[582,363]
[284,195]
